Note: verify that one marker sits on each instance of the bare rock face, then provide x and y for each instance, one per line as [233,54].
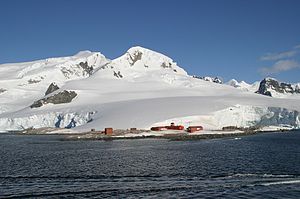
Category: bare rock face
[52,87]
[118,74]
[59,98]
[134,57]
[269,84]
[166,65]
[88,69]
[79,70]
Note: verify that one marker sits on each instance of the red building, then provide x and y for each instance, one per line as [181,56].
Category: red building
[171,127]
[108,131]
[192,129]
[158,128]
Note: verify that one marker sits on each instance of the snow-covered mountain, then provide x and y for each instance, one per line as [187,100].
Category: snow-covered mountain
[273,88]
[269,87]
[217,80]
[243,85]
[139,89]
[22,82]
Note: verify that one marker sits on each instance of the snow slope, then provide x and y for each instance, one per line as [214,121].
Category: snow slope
[140,89]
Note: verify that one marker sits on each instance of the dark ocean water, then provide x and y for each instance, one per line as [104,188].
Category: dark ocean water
[259,166]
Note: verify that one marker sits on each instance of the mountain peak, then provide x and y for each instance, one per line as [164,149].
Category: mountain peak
[272,87]
[140,59]
[137,53]
[139,48]
[270,79]
[234,83]
[83,53]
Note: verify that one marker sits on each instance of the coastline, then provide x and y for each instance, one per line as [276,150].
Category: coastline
[172,136]
[176,135]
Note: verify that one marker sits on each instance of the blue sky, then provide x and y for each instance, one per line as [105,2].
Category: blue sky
[245,40]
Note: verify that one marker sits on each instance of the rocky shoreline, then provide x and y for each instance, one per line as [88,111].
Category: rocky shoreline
[69,135]
[171,137]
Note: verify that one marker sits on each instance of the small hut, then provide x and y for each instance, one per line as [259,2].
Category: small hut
[108,131]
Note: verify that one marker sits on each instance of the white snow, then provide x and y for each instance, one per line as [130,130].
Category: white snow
[244,85]
[27,82]
[142,88]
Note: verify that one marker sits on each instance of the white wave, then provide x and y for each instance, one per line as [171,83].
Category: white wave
[262,175]
[281,182]
[276,175]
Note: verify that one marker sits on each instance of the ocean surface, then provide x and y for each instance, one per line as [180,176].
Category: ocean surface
[45,166]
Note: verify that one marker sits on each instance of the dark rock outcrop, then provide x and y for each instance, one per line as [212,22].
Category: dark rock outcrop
[2,90]
[217,80]
[33,81]
[135,57]
[52,87]
[81,69]
[59,98]
[118,74]
[269,84]
[166,65]
[88,69]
